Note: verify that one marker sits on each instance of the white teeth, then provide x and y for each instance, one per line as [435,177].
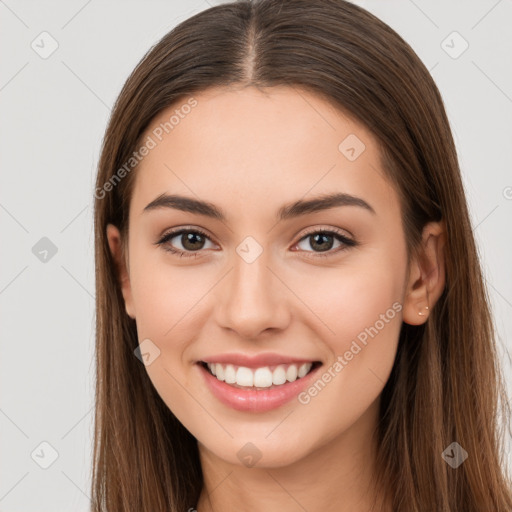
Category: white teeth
[304,369]
[262,377]
[279,375]
[291,373]
[244,376]
[230,374]
[219,371]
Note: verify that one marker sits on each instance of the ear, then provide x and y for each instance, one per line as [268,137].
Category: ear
[426,280]
[114,242]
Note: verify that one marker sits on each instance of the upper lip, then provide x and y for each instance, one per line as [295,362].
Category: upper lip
[256,361]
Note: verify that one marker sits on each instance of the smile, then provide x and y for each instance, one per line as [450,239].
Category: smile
[258,378]
[257,389]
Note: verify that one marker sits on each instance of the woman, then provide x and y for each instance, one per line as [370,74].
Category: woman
[290,308]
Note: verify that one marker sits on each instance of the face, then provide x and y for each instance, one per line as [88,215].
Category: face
[269,276]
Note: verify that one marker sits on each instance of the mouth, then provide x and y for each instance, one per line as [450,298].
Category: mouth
[257,389]
[260,378]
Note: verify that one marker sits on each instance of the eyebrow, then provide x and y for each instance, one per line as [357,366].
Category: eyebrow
[286,212]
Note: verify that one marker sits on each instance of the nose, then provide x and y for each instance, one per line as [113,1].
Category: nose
[252,299]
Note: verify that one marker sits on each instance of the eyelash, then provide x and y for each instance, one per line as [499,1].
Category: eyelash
[348,242]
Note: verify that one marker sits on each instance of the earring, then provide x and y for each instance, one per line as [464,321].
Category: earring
[425,307]
[423,314]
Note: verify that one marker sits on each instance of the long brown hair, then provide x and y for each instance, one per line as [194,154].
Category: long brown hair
[446,384]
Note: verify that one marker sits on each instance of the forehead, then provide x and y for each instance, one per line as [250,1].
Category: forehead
[250,149]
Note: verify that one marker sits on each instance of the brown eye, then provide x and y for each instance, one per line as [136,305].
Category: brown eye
[191,240]
[322,241]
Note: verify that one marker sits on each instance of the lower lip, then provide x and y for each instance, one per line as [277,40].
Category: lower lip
[253,400]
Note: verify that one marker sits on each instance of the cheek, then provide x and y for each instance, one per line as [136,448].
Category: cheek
[364,312]
[165,296]
[351,298]
[358,306]
[166,301]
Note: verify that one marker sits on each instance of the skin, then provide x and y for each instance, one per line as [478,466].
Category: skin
[314,456]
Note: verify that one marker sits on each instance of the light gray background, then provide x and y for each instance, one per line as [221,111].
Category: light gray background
[53,116]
